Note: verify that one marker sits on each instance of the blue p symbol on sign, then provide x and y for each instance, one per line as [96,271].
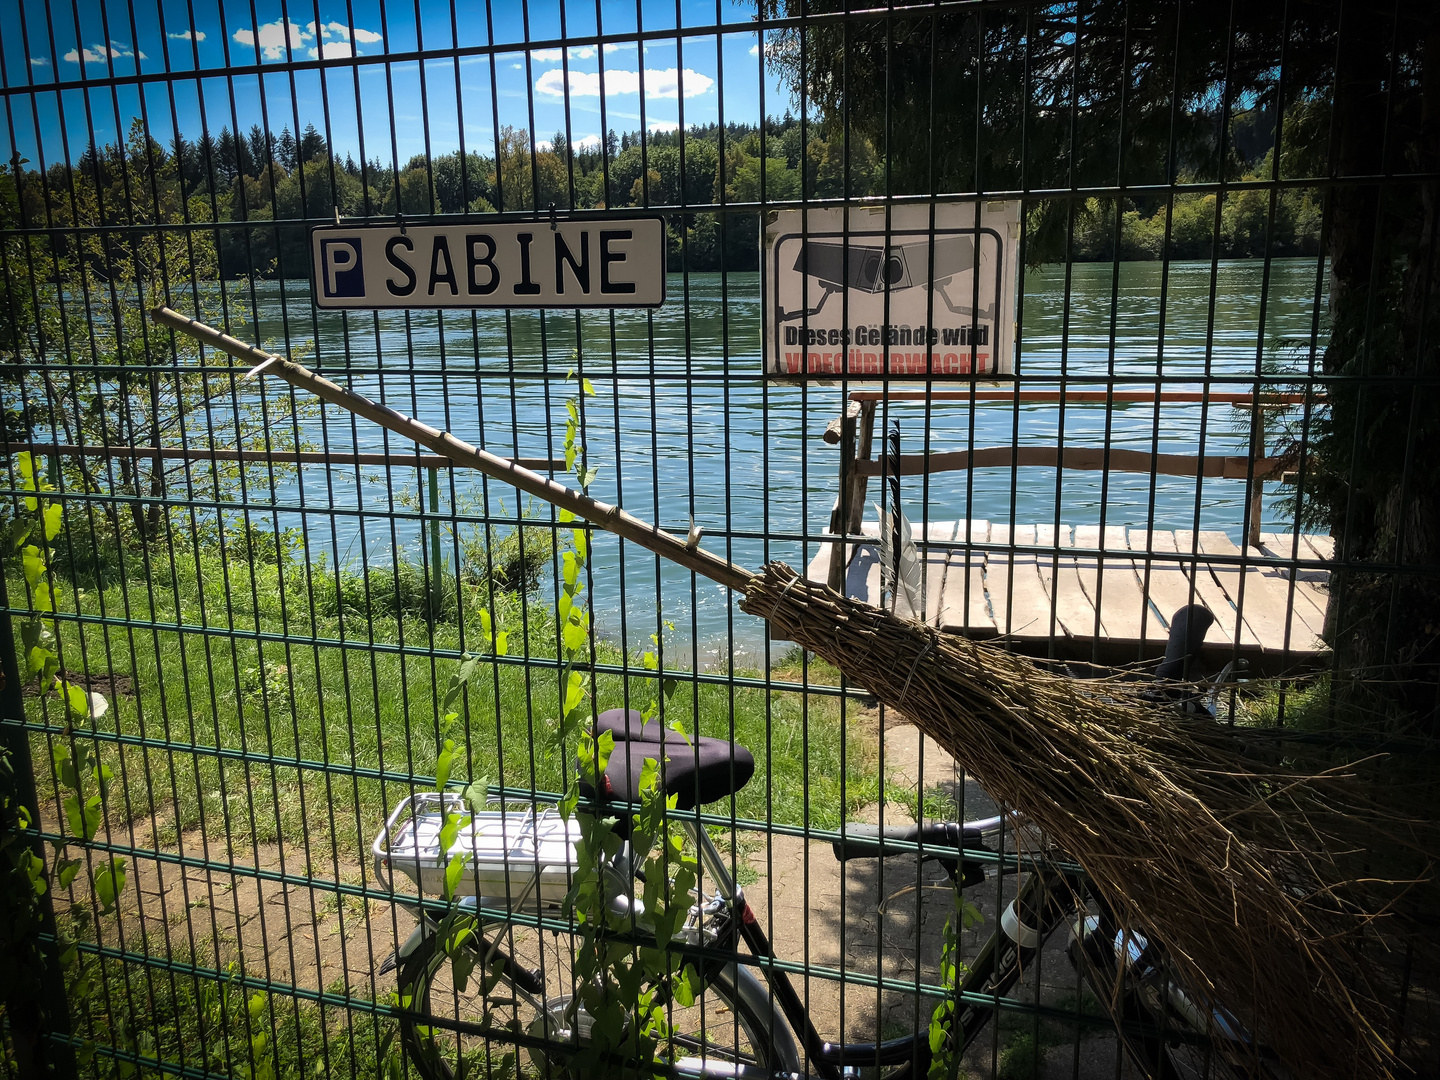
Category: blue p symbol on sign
[341,271]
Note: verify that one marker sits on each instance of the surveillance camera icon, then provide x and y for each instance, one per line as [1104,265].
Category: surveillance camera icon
[872,269]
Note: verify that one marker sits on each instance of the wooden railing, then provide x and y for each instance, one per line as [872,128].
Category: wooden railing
[854,433]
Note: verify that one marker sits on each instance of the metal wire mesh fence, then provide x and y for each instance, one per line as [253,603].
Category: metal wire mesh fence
[243,628]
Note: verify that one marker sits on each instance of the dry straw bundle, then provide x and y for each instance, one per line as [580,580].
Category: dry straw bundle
[1246,865]
[1239,866]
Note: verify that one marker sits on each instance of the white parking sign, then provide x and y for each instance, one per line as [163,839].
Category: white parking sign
[596,263]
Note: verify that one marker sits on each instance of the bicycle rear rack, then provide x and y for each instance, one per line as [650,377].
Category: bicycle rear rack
[511,857]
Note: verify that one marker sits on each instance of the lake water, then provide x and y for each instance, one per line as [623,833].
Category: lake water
[682,423]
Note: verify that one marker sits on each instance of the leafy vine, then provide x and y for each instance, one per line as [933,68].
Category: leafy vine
[84,783]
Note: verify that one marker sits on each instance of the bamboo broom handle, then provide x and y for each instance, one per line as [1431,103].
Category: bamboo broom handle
[607,517]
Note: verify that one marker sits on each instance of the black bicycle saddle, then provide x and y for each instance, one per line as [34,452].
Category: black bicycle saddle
[696,771]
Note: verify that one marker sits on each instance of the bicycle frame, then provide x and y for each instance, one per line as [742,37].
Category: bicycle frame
[1048,898]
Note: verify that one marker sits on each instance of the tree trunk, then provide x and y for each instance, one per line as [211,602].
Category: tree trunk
[1381,442]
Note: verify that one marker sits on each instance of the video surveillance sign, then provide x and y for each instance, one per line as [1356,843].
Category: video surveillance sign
[930,290]
[568,263]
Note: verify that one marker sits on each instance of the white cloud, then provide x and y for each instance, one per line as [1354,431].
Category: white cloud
[518,67]
[272,37]
[664,125]
[338,31]
[39,61]
[553,56]
[543,145]
[589,142]
[332,49]
[617,46]
[658,84]
[189,35]
[755,50]
[98,54]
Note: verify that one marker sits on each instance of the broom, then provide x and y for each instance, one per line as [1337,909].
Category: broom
[1243,867]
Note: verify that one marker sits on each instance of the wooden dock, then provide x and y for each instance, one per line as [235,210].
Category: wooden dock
[1073,598]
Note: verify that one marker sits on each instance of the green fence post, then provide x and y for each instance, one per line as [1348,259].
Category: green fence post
[35,1000]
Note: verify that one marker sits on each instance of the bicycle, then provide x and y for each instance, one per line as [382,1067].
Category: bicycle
[741,1023]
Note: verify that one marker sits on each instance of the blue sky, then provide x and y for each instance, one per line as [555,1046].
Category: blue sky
[233,64]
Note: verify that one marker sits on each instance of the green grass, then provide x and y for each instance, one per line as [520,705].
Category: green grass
[226,1029]
[370,708]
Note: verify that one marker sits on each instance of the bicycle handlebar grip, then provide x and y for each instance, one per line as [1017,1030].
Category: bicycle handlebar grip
[869,842]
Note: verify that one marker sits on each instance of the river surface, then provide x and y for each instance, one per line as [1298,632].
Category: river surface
[683,425]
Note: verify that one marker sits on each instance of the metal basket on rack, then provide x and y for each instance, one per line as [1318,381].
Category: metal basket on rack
[512,857]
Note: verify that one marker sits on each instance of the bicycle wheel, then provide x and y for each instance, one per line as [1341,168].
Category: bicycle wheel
[521,985]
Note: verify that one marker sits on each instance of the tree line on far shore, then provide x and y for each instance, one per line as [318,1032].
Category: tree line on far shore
[241,184]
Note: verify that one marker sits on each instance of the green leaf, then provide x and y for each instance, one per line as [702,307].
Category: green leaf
[581,542]
[77,699]
[54,515]
[60,756]
[682,986]
[570,568]
[110,883]
[449,831]
[573,409]
[476,795]
[574,693]
[20,530]
[574,635]
[462,962]
[256,1005]
[588,387]
[35,870]
[588,477]
[67,869]
[25,463]
[33,563]
[453,870]
[502,643]
[566,516]
[443,763]
[83,819]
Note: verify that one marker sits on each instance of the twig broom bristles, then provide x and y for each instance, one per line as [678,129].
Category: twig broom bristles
[1236,864]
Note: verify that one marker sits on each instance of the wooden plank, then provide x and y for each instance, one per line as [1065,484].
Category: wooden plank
[1124,611]
[1311,595]
[862,576]
[1171,586]
[819,566]
[1312,583]
[1217,598]
[1018,600]
[1074,614]
[934,568]
[1086,575]
[964,609]
[1087,458]
[1264,604]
